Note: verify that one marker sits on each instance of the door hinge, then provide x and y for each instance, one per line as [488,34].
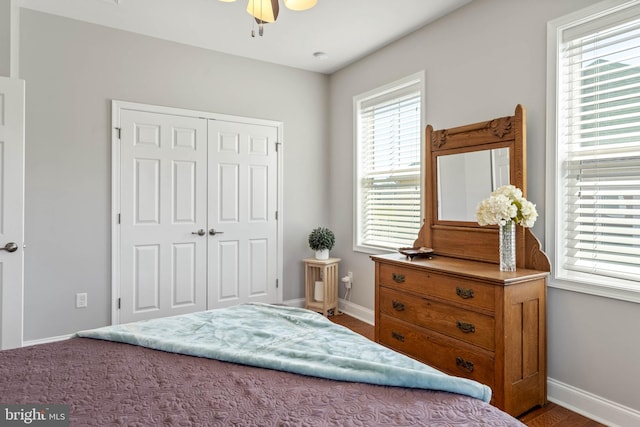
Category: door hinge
[276,215]
[119,132]
[278,146]
[119,301]
[277,283]
[118,218]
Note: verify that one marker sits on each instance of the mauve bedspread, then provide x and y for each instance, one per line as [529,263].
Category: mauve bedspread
[108,383]
[289,339]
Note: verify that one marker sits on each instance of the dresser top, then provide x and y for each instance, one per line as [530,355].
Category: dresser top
[462,267]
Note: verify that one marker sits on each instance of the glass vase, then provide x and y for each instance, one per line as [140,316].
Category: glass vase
[508,246]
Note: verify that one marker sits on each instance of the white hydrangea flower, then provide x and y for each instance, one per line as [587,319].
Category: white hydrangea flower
[506,204]
[528,213]
[510,191]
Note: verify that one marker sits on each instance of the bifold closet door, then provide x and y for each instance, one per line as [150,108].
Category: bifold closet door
[243,226]
[163,223]
[198,223]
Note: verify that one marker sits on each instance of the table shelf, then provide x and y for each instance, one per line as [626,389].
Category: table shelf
[325,271]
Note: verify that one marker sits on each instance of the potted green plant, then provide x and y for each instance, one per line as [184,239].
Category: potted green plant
[322,240]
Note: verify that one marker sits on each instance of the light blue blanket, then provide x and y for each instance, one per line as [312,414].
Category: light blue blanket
[287,339]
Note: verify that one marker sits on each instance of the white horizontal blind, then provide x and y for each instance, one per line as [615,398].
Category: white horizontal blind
[599,145]
[389,168]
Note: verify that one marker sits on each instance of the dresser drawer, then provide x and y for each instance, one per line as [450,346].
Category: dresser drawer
[427,283]
[466,325]
[436,351]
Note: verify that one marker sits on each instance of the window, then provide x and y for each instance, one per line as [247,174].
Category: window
[594,146]
[388,168]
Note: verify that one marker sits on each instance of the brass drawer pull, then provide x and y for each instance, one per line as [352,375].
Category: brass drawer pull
[397,336]
[465,327]
[397,305]
[464,293]
[465,365]
[398,278]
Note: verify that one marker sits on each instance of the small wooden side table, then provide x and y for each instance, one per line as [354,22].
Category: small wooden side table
[325,271]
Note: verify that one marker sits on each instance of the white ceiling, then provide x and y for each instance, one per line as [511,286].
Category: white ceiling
[345,30]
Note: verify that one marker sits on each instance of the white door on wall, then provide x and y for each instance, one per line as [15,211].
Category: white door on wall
[163,215]
[11,211]
[243,228]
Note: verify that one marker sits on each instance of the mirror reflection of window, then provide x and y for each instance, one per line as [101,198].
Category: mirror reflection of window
[465,179]
[500,167]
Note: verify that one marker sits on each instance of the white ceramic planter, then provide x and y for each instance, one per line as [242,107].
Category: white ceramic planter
[322,254]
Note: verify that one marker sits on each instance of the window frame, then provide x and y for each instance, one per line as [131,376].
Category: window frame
[609,287]
[417,79]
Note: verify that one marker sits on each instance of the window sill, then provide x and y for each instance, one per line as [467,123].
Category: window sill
[373,250]
[611,290]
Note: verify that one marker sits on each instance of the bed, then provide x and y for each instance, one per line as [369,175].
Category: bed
[194,370]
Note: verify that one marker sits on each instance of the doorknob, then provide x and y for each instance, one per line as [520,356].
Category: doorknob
[200,232]
[10,247]
[213,232]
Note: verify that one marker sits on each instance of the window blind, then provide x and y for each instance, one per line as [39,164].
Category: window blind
[599,147]
[389,168]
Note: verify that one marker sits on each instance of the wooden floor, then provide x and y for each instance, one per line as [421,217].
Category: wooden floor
[551,415]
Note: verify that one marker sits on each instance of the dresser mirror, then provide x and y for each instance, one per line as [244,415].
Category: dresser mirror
[464,164]
[465,179]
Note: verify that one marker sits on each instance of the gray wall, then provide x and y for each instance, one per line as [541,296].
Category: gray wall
[480,62]
[73,70]
[5,38]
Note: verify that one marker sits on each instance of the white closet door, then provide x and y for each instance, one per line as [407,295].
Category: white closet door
[163,226]
[11,211]
[243,228]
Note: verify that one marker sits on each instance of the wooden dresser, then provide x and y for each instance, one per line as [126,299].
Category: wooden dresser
[457,311]
[468,319]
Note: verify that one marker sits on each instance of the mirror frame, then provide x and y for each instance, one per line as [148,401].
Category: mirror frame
[466,239]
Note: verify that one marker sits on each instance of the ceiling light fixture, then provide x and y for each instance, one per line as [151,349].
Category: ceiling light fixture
[266,11]
[300,4]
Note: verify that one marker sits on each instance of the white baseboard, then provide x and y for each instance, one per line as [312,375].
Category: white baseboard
[357,311]
[46,340]
[294,302]
[595,407]
[347,307]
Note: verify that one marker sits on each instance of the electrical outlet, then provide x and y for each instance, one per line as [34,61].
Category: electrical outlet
[81,300]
